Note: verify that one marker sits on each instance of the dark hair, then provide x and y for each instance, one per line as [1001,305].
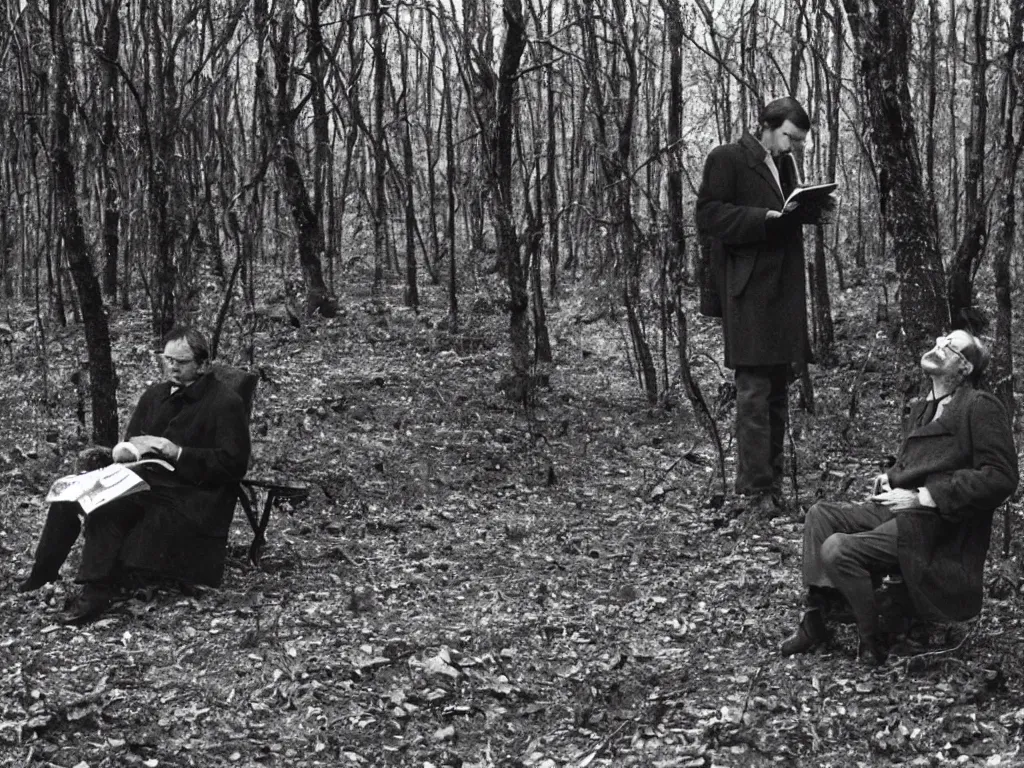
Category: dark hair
[977,355]
[779,111]
[196,341]
[974,322]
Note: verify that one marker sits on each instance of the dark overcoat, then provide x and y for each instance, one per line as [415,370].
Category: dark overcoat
[188,512]
[758,268]
[967,460]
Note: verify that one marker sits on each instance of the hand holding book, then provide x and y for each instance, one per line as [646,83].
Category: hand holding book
[146,446]
[812,204]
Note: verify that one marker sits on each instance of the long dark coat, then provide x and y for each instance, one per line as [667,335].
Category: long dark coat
[967,460]
[188,512]
[759,270]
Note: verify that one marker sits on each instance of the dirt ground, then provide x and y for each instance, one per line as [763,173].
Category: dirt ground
[475,582]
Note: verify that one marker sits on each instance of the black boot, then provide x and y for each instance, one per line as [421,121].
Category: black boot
[873,651]
[811,633]
[91,603]
[834,607]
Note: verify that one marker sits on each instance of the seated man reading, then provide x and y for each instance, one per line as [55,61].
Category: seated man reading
[178,527]
[930,516]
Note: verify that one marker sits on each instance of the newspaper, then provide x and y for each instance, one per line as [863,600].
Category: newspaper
[96,488]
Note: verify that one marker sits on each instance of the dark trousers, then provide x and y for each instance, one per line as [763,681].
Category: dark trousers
[104,532]
[762,409]
[847,546]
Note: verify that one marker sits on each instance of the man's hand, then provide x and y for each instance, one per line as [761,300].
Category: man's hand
[880,484]
[790,207]
[160,446]
[898,498]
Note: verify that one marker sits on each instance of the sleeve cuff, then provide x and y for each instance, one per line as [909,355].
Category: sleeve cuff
[178,457]
[925,496]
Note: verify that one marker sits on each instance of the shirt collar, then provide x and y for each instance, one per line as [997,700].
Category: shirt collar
[193,391]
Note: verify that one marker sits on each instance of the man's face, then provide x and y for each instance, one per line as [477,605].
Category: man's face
[784,139]
[180,363]
[946,358]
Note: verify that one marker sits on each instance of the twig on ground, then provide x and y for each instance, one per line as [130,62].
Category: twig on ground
[696,397]
[972,628]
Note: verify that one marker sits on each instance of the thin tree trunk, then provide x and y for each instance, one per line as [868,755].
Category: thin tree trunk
[110,28]
[102,382]
[551,197]
[278,120]
[676,216]
[157,17]
[412,294]
[322,181]
[824,337]
[509,247]
[451,207]
[934,27]
[380,204]
[971,247]
[1002,375]
[952,67]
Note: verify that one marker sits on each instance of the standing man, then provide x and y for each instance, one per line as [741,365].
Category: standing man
[757,265]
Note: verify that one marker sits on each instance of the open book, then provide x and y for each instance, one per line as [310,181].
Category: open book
[811,195]
[96,488]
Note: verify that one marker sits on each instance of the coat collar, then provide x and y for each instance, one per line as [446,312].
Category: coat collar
[194,392]
[756,160]
[946,423]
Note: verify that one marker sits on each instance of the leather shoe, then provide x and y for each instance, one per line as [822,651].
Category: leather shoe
[811,633]
[873,651]
[90,604]
[34,582]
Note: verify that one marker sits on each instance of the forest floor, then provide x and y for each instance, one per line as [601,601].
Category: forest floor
[476,582]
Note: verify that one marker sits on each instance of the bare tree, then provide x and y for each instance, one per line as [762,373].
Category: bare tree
[970,249]
[1006,215]
[279,122]
[102,384]
[881,30]
[109,25]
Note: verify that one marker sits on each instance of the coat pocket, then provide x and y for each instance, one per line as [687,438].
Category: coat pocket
[741,266]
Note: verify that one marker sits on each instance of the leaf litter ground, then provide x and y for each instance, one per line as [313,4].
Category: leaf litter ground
[480,583]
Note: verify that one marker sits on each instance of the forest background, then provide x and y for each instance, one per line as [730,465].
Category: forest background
[272,170]
[158,150]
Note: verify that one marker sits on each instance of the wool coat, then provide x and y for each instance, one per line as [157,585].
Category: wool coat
[967,460]
[757,266]
[187,513]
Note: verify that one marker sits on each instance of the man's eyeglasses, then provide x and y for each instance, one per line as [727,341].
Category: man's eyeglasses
[797,140]
[180,362]
[944,342]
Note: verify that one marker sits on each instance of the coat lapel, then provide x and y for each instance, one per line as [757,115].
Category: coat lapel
[755,159]
[944,425]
